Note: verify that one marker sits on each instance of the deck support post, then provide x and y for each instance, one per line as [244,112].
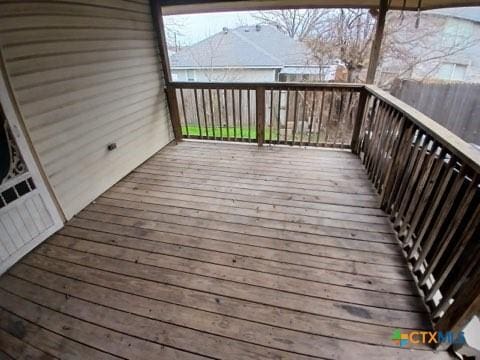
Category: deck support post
[172,100]
[362,102]
[159,27]
[377,42]
[260,116]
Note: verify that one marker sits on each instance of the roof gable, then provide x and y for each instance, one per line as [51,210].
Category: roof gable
[244,46]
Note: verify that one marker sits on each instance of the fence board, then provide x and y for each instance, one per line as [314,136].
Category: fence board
[453,105]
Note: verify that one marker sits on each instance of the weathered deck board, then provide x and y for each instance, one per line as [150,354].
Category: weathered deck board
[219,251]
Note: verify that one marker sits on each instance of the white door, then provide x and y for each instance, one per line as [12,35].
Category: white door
[27,213]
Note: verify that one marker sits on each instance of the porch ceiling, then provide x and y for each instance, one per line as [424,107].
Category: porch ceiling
[172,7]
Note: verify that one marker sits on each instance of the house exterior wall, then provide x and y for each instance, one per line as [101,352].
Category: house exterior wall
[86,74]
[453,49]
[464,65]
[224,75]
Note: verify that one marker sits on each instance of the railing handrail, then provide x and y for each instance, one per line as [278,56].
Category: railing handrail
[428,179]
[266,85]
[459,147]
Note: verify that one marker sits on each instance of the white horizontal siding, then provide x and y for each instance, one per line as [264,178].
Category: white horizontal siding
[86,74]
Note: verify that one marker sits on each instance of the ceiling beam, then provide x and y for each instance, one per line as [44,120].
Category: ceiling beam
[175,7]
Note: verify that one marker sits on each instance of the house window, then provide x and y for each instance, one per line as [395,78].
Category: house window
[190,75]
[452,71]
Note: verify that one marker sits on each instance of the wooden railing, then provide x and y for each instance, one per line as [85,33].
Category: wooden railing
[427,177]
[272,113]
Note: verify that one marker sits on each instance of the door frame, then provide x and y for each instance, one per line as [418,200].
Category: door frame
[14,119]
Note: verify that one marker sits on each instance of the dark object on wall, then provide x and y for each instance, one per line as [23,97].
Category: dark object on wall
[454,105]
[4,151]
[11,162]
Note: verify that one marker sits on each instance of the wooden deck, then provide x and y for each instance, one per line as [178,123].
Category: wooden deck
[222,251]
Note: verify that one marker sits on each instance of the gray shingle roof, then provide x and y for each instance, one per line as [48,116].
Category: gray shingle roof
[244,46]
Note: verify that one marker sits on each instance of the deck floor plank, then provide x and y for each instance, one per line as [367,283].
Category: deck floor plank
[222,251]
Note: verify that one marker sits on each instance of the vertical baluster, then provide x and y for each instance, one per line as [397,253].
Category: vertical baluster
[287,110]
[198,113]
[339,120]
[234,116]
[312,115]
[426,201]
[431,197]
[390,176]
[347,112]
[271,117]
[382,144]
[421,190]
[240,111]
[399,167]
[212,115]
[411,179]
[249,116]
[225,98]
[453,225]
[219,114]
[295,108]
[184,112]
[320,117]
[279,114]
[395,128]
[405,177]
[204,105]
[368,126]
[329,118]
[302,129]
[373,137]
[430,236]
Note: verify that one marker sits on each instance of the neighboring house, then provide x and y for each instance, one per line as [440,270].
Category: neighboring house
[258,53]
[450,37]
[461,25]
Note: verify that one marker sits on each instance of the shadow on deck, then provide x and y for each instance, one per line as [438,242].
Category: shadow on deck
[220,251]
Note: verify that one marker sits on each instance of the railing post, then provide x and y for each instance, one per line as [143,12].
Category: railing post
[260,108]
[362,102]
[464,308]
[174,113]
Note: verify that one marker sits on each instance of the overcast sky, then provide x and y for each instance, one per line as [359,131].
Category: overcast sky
[196,27]
[199,26]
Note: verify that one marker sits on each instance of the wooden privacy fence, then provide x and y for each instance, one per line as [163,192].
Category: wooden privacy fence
[453,105]
[294,114]
[427,177]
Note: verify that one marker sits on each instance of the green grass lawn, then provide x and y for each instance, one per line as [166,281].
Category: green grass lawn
[194,130]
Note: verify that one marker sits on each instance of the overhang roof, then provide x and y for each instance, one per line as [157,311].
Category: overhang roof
[172,7]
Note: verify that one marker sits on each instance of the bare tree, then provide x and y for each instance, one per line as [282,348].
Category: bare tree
[346,35]
[174,26]
[298,24]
